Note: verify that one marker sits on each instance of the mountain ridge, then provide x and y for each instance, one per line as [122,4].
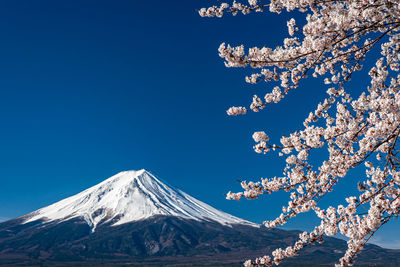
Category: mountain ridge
[134,218]
[131,196]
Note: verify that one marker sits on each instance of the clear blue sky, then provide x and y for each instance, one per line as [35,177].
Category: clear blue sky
[91,88]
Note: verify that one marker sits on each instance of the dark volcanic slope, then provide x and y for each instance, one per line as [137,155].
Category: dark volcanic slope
[160,241]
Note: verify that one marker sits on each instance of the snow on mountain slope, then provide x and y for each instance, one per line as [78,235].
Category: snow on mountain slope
[131,196]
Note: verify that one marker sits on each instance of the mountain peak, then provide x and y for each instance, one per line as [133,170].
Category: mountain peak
[132,172]
[131,196]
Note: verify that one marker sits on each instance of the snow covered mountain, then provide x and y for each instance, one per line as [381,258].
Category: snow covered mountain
[128,197]
[135,219]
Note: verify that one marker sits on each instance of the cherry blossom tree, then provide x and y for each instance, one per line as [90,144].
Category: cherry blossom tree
[361,130]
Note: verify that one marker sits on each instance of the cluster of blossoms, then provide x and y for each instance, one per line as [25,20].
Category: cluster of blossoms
[355,130]
[234,9]
[236,110]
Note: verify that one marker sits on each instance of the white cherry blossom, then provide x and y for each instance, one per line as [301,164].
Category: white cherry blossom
[357,131]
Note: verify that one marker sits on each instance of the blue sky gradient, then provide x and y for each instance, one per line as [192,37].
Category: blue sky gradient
[92,88]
